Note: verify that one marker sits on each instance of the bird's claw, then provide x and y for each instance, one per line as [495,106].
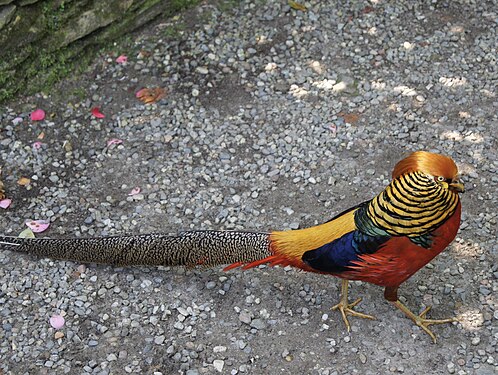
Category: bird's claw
[347,309]
[424,323]
[421,321]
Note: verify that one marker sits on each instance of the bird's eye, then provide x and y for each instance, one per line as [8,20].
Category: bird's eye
[440,178]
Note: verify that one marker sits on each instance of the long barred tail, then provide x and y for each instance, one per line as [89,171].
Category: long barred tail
[190,249]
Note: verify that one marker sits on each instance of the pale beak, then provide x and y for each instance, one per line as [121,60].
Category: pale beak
[457,186]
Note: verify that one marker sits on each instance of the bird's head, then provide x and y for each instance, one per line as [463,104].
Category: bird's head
[438,167]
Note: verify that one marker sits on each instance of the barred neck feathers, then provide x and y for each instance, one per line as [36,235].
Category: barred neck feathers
[412,204]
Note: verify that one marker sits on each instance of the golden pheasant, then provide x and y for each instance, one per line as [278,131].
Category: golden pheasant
[383,241]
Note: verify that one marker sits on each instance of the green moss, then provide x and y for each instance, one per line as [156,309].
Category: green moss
[184,4]
[54,66]
[52,17]
[6,90]
[79,93]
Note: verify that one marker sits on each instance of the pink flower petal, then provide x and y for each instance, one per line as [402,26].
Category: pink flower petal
[5,203]
[38,226]
[96,112]
[17,120]
[57,321]
[114,141]
[134,191]
[122,59]
[37,145]
[139,93]
[38,115]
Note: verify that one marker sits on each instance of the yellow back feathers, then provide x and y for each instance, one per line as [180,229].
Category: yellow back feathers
[294,243]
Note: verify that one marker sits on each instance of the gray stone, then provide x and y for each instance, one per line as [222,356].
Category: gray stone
[218,364]
[258,324]
[102,15]
[159,340]
[6,14]
[28,2]
[244,317]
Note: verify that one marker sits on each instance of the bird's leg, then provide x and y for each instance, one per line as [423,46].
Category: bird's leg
[420,319]
[347,308]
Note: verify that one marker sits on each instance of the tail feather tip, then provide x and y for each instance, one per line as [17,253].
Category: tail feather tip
[9,243]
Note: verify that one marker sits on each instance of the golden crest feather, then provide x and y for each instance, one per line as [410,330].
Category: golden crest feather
[427,162]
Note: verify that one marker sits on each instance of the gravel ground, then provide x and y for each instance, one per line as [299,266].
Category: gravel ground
[274,119]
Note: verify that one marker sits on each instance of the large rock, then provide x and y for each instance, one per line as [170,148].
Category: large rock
[102,14]
[39,39]
[6,13]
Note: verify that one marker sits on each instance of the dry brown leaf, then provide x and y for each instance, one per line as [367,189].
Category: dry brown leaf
[23,181]
[297,6]
[350,118]
[144,53]
[368,9]
[67,145]
[151,95]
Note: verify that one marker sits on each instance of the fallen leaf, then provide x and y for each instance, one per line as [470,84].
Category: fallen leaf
[41,136]
[38,115]
[24,181]
[350,118]
[37,145]
[96,112]
[17,120]
[114,141]
[297,6]
[81,268]
[2,190]
[67,146]
[57,321]
[75,275]
[122,59]
[144,53]
[368,9]
[151,95]
[134,191]
[26,233]
[38,226]
[5,203]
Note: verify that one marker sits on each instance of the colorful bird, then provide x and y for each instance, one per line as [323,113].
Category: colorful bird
[383,241]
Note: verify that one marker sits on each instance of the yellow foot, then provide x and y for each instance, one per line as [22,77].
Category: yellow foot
[347,308]
[420,319]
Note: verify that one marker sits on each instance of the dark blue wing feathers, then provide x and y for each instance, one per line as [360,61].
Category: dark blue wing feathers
[338,255]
